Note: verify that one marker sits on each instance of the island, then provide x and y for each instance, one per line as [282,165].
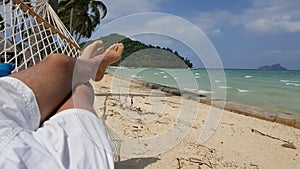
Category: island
[272,67]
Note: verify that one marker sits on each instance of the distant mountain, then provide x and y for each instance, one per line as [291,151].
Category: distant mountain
[138,54]
[272,67]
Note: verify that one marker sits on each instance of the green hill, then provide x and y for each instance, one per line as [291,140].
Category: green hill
[138,54]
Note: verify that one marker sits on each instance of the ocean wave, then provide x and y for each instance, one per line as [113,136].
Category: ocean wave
[120,67]
[243,90]
[204,92]
[292,84]
[225,87]
[136,77]
[289,81]
[189,89]
[247,77]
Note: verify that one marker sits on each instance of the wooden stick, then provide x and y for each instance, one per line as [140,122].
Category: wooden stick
[287,144]
[263,134]
[178,163]
[198,161]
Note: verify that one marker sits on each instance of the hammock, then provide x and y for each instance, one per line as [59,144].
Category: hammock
[30,30]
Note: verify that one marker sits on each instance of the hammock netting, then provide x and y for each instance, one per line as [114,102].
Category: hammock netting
[30,31]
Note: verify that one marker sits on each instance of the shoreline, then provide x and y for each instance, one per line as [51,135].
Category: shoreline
[243,109]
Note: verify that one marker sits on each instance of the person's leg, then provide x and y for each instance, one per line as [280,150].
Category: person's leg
[53,79]
[82,98]
[75,130]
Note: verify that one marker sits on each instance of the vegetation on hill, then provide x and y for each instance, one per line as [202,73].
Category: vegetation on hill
[138,54]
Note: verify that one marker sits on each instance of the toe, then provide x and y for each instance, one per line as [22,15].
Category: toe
[100,50]
[114,47]
[98,43]
[120,48]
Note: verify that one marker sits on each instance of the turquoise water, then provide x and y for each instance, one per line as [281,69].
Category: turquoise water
[274,90]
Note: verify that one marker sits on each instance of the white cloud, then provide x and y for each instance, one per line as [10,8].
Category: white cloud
[264,16]
[165,25]
[210,22]
[168,23]
[156,23]
[117,8]
[273,16]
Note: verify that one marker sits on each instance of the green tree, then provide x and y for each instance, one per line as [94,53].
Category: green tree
[81,16]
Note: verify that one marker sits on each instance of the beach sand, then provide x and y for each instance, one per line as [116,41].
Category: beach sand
[161,130]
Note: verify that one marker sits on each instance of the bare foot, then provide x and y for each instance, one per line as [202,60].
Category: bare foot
[110,56]
[92,50]
[113,53]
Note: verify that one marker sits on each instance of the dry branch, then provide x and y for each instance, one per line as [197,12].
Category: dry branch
[287,144]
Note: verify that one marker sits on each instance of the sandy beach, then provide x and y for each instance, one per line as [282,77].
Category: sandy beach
[162,130]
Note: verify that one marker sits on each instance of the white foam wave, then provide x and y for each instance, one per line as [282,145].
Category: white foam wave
[247,77]
[243,90]
[166,77]
[292,84]
[121,67]
[188,89]
[289,81]
[204,92]
[225,87]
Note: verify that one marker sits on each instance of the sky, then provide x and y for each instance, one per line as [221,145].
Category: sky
[243,34]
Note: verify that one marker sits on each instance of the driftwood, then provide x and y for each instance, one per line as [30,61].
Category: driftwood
[180,162]
[211,150]
[200,162]
[287,144]
[131,100]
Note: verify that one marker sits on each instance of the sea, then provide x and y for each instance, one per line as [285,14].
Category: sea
[270,90]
